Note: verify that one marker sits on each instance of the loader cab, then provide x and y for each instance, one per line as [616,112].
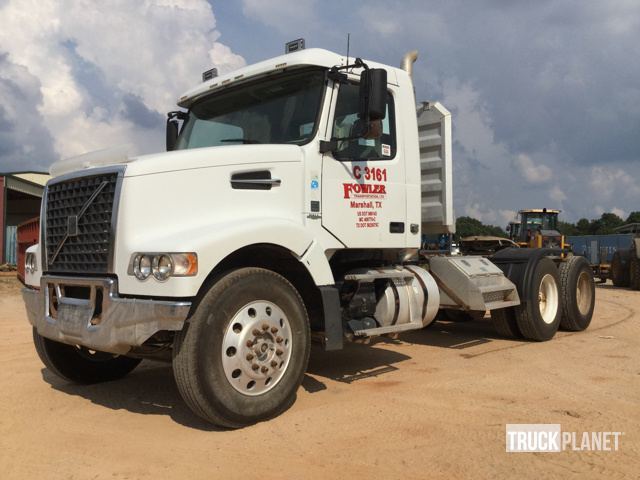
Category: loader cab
[538,228]
[514,231]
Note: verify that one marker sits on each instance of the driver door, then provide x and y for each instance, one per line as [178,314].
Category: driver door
[363,180]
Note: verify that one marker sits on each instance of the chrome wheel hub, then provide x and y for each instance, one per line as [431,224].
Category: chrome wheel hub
[548,299]
[256,348]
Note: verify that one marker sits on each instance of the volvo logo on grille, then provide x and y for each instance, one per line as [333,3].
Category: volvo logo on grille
[72,220]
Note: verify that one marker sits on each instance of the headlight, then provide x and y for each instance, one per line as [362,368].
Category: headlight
[30,263]
[163,265]
[142,266]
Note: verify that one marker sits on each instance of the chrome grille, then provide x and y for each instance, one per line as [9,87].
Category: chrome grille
[79,214]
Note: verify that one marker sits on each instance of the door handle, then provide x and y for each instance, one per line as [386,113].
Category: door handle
[274,182]
[257,180]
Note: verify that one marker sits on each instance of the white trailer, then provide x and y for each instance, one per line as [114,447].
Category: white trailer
[289,207]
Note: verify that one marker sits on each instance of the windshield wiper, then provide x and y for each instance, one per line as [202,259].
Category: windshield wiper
[242,140]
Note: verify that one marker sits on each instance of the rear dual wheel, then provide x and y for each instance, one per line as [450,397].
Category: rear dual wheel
[558,296]
[538,316]
[577,293]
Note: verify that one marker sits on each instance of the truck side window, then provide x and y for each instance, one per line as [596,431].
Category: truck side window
[346,116]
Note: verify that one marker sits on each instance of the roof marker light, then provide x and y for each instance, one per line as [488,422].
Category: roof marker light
[209,74]
[294,46]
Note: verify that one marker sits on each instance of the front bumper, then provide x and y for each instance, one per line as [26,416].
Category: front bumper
[100,319]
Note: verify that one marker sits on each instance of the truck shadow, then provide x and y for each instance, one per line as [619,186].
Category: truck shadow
[151,390]
[355,362]
[454,335]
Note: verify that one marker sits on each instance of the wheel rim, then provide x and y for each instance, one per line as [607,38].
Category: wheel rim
[548,299]
[583,293]
[256,348]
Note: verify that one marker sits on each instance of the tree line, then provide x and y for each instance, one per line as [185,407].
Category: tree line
[468,226]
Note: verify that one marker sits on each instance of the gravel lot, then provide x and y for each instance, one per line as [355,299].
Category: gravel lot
[432,404]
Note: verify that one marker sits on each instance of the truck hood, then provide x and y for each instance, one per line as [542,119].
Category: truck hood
[180,159]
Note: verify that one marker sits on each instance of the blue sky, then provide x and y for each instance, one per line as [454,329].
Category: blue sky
[545,95]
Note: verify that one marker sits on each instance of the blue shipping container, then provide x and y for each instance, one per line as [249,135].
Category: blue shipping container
[11,247]
[599,248]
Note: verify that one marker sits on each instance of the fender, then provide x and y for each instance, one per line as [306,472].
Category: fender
[519,264]
[213,243]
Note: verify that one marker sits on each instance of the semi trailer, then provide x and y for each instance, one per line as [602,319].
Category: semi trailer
[625,262]
[288,207]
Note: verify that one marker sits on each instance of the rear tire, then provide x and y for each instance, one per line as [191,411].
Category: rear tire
[634,271]
[79,364]
[505,324]
[538,317]
[619,271]
[242,354]
[577,293]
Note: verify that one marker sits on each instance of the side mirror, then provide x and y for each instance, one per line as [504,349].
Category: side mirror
[373,94]
[172,134]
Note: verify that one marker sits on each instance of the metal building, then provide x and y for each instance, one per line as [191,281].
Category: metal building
[20,197]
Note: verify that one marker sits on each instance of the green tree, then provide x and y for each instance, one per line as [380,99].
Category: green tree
[634,217]
[583,226]
[606,223]
[468,226]
[566,228]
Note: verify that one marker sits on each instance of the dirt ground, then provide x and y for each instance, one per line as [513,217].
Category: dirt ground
[433,404]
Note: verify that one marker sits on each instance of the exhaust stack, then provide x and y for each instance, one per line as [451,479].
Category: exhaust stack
[407,61]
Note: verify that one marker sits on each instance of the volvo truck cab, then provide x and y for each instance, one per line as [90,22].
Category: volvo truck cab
[288,208]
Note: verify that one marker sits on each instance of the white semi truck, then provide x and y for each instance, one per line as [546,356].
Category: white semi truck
[288,208]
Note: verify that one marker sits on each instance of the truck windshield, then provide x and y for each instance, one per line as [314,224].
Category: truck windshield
[279,110]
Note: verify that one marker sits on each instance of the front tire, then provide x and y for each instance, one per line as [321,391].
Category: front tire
[577,293]
[79,364]
[538,318]
[243,352]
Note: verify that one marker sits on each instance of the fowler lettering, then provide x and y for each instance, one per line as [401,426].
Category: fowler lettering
[363,188]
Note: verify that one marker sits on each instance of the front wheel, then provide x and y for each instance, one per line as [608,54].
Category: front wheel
[79,364]
[243,352]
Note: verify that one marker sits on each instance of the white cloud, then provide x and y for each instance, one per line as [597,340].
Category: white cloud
[607,182]
[508,216]
[20,121]
[532,172]
[283,15]
[101,65]
[619,212]
[557,194]
[481,212]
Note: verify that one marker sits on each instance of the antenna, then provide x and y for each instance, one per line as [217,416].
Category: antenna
[348,38]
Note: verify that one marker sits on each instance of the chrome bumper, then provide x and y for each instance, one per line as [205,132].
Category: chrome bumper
[103,321]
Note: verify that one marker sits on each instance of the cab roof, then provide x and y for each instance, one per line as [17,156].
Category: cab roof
[312,57]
